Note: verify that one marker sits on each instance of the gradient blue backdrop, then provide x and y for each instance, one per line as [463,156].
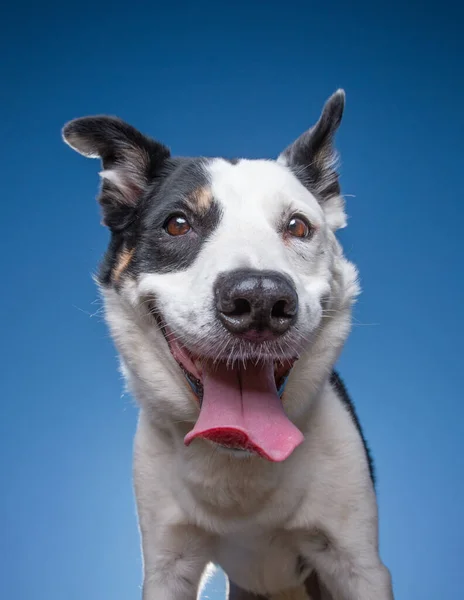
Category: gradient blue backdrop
[241,79]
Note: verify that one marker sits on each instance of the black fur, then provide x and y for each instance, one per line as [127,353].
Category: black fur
[340,389]
[150,187]
[156,250]
[236,593]
[137,158]
[312,156]
[301,565]
[110,259]
[141,227]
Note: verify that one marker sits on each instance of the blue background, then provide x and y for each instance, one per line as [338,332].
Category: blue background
[241,79]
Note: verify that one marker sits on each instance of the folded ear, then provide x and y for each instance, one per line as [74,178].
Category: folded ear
[313,158]
[130,162]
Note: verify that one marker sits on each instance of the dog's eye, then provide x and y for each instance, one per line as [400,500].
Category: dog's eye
[298,227]
[177,225]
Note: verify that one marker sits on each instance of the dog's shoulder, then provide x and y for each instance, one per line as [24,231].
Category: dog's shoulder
[340,390]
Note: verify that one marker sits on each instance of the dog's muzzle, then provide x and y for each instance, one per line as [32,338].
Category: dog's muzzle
[256,304]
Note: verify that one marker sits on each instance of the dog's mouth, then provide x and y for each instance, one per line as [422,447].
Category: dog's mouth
[240,406]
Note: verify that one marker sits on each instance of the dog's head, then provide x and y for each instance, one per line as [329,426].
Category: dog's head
[222,277]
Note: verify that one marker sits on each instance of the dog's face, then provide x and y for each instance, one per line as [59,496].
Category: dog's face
[234,263]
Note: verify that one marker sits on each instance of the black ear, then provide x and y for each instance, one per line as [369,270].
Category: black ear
[130,162]
[313,156]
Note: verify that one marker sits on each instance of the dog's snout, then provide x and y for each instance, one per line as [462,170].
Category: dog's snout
[261,301]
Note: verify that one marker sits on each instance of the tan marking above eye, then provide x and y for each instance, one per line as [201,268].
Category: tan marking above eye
[123,262]
[200,199]
[177,225]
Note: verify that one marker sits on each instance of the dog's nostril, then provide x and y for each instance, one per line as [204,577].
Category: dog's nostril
[280,310]
[241,308]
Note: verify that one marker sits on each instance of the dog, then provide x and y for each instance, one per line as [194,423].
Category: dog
[229,299]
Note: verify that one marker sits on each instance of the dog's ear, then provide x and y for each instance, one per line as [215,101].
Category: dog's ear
[314,159]
[130,162]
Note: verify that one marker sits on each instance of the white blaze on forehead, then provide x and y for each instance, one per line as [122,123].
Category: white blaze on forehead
[263,186]
[255,197]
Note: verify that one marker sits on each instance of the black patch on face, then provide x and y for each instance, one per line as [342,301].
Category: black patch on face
[155,251]
[340,389]
[110,259]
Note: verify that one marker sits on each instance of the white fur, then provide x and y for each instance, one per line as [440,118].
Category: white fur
[198,505]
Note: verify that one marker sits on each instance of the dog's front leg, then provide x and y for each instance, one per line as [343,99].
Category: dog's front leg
[350,573]
[174,559]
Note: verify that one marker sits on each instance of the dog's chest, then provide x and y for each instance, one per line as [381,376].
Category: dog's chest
[262,562]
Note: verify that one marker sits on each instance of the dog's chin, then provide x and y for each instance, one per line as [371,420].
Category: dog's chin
[239,397]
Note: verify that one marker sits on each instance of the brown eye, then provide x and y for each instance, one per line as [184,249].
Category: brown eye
[177,225]
[298,227]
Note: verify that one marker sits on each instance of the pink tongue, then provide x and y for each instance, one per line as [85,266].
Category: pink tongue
[241,409]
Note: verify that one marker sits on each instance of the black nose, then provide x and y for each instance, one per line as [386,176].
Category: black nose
[263,301]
